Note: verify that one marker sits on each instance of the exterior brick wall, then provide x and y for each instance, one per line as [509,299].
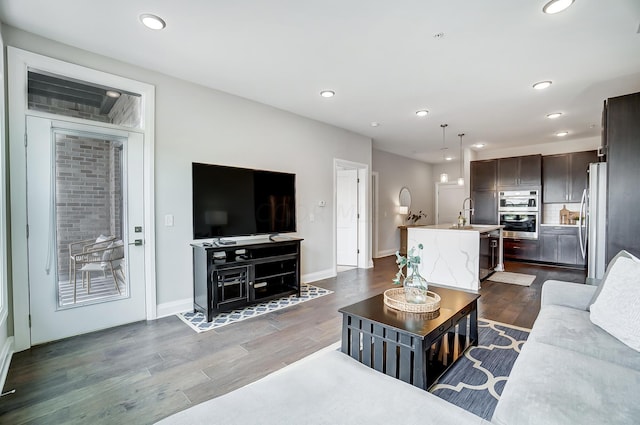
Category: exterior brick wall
[68,109]
[88,192]
[126,111]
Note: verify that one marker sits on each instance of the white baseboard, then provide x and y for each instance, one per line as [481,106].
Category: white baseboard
[5,360]
[316,276]
[386,253]
[174,307]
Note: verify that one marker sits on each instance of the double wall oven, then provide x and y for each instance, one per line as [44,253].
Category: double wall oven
[519,213]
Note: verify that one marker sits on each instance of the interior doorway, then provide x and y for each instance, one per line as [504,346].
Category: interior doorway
[351,215]
[346,218]
[449,198]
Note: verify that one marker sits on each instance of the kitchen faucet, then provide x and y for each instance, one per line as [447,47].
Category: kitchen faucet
[470,209]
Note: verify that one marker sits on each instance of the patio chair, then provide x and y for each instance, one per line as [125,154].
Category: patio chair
[109,258]
[83,246]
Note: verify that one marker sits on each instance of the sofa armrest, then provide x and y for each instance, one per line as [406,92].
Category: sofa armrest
[574,295]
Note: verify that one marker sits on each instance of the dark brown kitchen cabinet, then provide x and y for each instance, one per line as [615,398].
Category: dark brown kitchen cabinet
[560,245]
[520,171]
[622,141]
[485,205]
[578,176]
[564,176]
[483,191]
[521,249]
[483,175]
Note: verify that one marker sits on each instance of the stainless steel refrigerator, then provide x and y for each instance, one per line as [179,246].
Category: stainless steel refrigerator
[593,222]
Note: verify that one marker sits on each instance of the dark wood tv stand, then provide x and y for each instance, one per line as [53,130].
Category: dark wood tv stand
[252,271]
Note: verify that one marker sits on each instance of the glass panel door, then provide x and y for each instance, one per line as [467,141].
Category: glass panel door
[89,219]
[84,209]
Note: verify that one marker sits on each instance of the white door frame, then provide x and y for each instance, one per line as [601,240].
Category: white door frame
[19,61]
[364,210]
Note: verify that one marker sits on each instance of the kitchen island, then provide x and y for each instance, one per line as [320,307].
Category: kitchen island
[451,256]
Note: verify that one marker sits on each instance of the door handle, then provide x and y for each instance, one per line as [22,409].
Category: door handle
[137,242]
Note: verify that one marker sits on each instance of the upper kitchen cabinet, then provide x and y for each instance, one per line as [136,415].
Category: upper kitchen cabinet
[564,177]
[521,171]
[623,174]
[483,175]
[483,191]
[485,205]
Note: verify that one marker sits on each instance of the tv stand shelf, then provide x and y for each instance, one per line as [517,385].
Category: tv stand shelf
[233,276]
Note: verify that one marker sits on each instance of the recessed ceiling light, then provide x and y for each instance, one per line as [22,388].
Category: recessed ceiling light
[422,113]
[448,158]
[554,115]
[562,133]
[542,85]
[152,21]
[375,124]
[112,93]
[327,93]
[479,145]
[555,6]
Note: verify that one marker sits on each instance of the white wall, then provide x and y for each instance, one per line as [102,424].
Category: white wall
[563,146]
[194,123]
[396,172]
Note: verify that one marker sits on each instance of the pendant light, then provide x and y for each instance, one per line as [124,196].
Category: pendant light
[461,178]
[444,177]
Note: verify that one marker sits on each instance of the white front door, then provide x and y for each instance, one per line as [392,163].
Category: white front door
[347,217]
[85,228]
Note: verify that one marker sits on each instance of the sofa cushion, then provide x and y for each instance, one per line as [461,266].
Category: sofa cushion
[569,294]
[621,254]
[552,386]
[572,329]
[616,308]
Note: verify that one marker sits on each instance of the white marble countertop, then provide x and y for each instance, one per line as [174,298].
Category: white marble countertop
[559,225]
[480,228]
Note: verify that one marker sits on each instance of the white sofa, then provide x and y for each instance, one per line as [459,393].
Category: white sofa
[571,371]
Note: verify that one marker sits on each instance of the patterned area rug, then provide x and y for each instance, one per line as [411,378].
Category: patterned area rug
[198,321]
[512,278]
[476,380]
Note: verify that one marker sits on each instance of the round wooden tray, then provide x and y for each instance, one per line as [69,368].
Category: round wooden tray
[395,298]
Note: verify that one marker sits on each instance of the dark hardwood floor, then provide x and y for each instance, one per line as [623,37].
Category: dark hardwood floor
[142,372]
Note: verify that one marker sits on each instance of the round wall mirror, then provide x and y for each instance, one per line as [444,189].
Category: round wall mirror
[405,197]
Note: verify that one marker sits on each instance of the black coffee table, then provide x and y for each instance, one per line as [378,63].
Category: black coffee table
[413,347]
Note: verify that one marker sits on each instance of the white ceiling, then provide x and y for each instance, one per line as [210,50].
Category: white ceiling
[381,58]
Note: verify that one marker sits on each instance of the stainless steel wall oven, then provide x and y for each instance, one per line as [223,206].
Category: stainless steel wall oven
[519,224]
[519,200]
[518,212]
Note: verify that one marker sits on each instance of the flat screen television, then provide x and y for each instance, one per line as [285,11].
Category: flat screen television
[232,201]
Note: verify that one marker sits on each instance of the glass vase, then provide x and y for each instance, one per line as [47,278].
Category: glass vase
[415,286]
